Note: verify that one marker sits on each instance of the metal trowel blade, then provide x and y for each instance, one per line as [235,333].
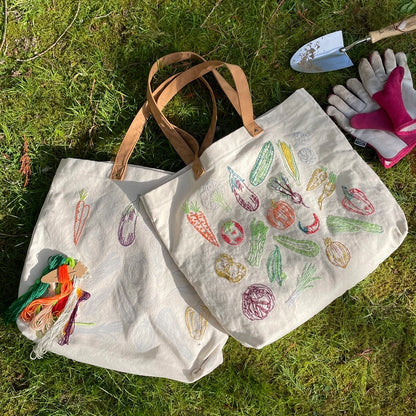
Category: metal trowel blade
[321,55]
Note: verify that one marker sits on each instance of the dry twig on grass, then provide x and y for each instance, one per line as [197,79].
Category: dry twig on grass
[5,14]
[57,40]
[25,163]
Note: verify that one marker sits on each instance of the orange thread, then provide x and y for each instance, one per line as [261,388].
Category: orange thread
[28,313]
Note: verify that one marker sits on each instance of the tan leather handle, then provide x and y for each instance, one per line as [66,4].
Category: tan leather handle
[163,94]
[189,149]
[404,26]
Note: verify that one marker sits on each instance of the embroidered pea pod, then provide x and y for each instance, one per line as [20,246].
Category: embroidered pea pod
[274,266]
[356,201]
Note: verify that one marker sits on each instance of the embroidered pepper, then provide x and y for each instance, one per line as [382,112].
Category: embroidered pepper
[356,201]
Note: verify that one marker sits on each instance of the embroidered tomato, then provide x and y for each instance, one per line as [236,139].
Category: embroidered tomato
[281,215]
[232,233]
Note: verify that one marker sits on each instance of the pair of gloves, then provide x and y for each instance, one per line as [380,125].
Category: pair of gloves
[381,109]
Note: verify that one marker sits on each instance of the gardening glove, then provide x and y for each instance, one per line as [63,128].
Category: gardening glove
[353,100]
[391,86]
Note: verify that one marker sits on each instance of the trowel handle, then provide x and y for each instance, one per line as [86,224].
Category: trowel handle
[404,26]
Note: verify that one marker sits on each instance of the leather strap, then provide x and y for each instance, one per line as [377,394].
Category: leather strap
[186,146]
[163,94]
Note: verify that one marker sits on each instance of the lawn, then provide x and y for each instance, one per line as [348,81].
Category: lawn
[73,75]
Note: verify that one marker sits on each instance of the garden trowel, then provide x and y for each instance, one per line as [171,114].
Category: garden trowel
[328,53]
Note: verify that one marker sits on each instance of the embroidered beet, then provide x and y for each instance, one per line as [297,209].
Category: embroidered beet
[356,201]
[127,226]
[244,195]
[280,215]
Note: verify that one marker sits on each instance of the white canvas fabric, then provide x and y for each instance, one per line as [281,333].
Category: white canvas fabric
[279,225]
[143,316]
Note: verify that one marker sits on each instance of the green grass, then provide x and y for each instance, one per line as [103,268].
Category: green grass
[77,100]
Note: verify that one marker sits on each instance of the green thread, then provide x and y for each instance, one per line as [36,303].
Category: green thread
[37,290]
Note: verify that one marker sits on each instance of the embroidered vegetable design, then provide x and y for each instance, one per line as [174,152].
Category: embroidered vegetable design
[304,282]
[347,225]
[289,160]
[82,211]
[329,189]
[312,228]
[232,233]
[257,302]
[212,196]
[337,253]
[200,223]
[262,165]
[258,239]
[197,322]
[305,247]
[70,326]
[356,201]
[280,215]
[281,184]
[127,226]
[274,266]
[307,156]
[301,139]
[244,195]
[318,178]
[226,267]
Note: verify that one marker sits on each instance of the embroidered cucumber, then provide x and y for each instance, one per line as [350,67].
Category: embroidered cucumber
[262,165]
[274,266]
[305,247]
[289,160]
[347,225]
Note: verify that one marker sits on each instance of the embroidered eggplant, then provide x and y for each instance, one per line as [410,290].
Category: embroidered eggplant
[127,226]
[312,228]
[347,225]
[244,195]
[274,266]
[356,201]
[262,165]
[305,247]
[337,253]
[280,215]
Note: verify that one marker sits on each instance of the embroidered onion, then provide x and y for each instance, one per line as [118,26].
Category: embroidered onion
[337,253]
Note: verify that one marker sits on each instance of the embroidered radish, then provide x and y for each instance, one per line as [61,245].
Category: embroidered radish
[232,233]
[82,212]
[356,201]
[244,195]
[280,215]
[127,226]
[312,228]
[200,223]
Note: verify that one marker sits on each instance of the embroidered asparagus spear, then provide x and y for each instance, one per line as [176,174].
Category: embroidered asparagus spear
[257,241]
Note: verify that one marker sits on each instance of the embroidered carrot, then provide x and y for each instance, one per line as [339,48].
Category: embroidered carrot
[82,211]
[199,221]
[329,189]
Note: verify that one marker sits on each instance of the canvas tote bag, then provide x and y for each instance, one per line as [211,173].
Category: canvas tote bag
[284,219]
[129,307]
